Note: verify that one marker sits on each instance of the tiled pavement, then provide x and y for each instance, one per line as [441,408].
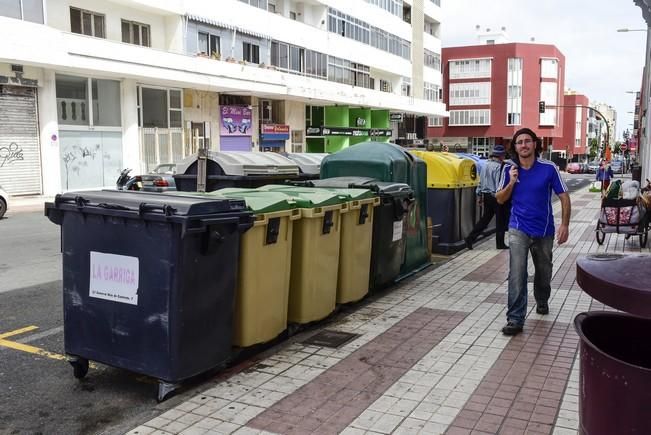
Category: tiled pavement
[429,359]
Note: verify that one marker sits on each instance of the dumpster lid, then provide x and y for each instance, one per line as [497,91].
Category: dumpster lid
[308,197]
[617,280]
[123,203]
[448,171]
[261,202]
[341,182]
[244,163]
[308,163]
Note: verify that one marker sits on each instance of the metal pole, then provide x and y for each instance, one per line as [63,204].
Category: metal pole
[201,166]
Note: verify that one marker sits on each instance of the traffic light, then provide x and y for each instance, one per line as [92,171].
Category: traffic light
[541,107]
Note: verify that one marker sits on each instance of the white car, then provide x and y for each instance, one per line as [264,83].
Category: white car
[4,200]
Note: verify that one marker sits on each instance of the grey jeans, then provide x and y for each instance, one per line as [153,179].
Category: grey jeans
[520,244]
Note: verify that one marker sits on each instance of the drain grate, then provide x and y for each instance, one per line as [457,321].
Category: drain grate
[327,338]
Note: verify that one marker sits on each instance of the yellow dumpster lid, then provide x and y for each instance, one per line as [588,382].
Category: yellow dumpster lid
[447,171]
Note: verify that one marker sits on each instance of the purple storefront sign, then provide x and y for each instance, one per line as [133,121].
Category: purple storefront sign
[235,128]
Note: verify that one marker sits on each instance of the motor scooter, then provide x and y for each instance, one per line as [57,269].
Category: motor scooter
[127,182]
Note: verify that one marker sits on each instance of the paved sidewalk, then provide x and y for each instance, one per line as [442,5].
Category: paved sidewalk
[430,359]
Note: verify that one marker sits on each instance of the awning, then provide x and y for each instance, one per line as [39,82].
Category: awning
[226,26]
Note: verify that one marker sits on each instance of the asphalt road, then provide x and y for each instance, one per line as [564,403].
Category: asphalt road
[38,393]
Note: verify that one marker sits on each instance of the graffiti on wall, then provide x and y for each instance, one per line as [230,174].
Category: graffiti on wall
[77,158]
[10,154]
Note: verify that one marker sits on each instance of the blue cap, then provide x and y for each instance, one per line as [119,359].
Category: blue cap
[498,150]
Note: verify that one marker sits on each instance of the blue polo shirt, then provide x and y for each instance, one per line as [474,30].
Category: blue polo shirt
[531,199]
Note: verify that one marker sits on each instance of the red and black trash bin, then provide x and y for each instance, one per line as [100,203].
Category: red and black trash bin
[615,365]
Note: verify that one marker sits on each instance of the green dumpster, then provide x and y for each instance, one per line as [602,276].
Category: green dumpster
[315,253]
[262,295]
[390,162]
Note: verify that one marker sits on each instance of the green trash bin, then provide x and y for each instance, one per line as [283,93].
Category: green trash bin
[315,252]
[262,294]
[356,241]
[390,162]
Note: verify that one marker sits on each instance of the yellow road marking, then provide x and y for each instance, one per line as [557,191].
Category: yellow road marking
[18,331]
[30,349]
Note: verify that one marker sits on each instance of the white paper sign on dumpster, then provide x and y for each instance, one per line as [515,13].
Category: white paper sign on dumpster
[114,277]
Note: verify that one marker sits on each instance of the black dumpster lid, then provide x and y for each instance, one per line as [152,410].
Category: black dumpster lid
[114,202]
[620,281]
[363,182]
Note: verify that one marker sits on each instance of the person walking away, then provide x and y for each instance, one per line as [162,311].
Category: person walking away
[604,174]
[529,181]
[489,178]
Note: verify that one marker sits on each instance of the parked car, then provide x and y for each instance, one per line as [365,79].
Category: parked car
[160,179]
[573,168]
[584,168]
[593,166]
[617,166]
[4,202]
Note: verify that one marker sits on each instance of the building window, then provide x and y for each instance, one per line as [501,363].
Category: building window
[136,33]
[160,108]
[89,102]
[432,28]
[271,7]
[549,68]
[435,121]
[470,68]
[347,72]
[464,94]
[262,4]
[405,87]
[514,91]
[27,10]
[482,146]
[432,60]
[385,86]
[548,94]
[87,23]
[392,6]
[353,28]
[208,44]
[470,117]
[250,52]
[432,92]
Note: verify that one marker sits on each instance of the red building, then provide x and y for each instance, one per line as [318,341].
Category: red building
[574,143]
[493,90]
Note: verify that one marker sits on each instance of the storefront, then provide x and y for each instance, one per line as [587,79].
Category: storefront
[235,125]
[20,161]
[89,117]
[273,137]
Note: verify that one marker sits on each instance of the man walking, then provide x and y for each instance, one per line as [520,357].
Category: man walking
[529,182]
[604,174]
[488,181]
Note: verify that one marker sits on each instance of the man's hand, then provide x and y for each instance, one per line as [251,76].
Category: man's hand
[513,173]
[562,234]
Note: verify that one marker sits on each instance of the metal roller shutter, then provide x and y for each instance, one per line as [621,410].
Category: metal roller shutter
[20,160]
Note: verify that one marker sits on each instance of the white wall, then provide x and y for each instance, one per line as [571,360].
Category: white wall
[295,118]
[58,16]
[47,118]
[283,29]
[200,106]
[130,132]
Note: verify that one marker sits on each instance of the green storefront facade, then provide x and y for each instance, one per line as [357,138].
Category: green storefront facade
[332,128]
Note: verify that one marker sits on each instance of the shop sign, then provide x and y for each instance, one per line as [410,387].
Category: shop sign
[360,122]
[235,121]
[396,117]
[275,129]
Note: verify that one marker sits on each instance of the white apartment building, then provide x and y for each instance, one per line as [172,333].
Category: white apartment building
[610,114]
[88,87]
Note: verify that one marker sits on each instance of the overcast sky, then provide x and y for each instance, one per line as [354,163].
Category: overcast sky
[599,62]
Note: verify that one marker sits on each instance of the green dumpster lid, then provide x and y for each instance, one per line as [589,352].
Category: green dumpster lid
[352,194]
[261,202]
[308,197]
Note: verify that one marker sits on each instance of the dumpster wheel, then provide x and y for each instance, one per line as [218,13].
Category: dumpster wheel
[165,389]
[80,367]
